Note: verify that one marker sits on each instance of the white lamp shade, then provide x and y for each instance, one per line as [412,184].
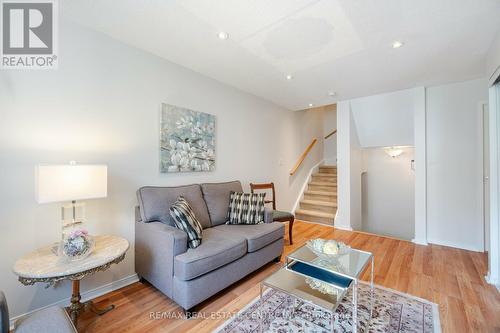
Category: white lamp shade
[56,183]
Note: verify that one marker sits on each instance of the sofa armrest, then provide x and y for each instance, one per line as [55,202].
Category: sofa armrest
[4,314]
[53,319]
[268,215]
[137,214]
[156,245]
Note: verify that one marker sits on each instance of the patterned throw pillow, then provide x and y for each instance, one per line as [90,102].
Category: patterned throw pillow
[246,208]
[185,220]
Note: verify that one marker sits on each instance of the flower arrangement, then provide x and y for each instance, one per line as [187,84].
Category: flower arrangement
[77,244]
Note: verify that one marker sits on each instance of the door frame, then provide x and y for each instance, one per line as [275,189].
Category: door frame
[493,276]
[480,166]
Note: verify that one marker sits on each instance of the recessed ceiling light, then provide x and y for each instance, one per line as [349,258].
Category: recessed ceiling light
[332,93]
[289,77]
[397,44]
[311,105]
[223,35]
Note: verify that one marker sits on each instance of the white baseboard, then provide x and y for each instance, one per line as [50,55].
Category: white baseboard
[343,227]
[87,295]
[492,281]
[297,202]
[455,245]
[419,241]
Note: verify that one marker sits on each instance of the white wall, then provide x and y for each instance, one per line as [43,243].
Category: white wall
[344,121]
[330,144]
[454,170]
[102,106]
[356,166]
[385,119]
[493,60]
[348,170]
[420,166]
[388,193]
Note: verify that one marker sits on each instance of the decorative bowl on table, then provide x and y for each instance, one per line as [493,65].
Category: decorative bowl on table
[327,249]
[77,245]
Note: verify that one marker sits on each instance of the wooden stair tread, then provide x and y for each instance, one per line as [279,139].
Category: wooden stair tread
[328,166]
[314,213]
[321,192]
[325,175]
[318,203]
[323,183]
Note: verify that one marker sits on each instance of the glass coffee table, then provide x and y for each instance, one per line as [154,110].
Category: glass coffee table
[321,282]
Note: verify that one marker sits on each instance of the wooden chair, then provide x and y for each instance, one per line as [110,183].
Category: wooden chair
[278,216]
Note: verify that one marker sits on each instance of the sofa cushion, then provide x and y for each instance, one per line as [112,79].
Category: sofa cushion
[184,219]
[257,235]
[155,202]
[246,208]
[218,249]
[216,196]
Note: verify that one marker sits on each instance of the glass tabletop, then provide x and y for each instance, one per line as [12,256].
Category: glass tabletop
[350,265]
[310,290]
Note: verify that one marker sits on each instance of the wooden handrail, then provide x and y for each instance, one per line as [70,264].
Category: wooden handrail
[329,135]
[303,157]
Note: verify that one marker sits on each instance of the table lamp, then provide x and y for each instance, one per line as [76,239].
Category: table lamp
[69,183]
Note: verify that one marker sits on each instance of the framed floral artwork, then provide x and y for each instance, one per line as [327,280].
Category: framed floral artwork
[187,140]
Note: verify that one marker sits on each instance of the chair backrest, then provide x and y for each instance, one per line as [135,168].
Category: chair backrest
[4,314]
[265,186]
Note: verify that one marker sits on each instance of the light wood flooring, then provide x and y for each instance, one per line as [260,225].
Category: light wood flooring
[452,278]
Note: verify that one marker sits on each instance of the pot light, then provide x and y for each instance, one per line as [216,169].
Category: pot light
[393,151]
[223,35]
[289,77]
[397,44]
[332,93]
[311,105]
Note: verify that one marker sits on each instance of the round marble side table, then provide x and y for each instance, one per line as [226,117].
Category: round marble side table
[44,266]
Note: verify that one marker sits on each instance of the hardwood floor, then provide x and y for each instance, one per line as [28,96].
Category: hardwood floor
[450,277]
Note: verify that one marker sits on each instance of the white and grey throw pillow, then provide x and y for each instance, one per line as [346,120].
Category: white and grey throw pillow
[184,219]
[246,208]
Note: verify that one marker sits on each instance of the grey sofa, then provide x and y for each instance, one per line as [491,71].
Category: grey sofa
[53,319]
[227,253]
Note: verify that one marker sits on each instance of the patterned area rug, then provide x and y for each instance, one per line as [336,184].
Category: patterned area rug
[392,312]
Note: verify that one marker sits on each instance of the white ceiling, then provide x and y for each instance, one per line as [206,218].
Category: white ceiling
[327,45]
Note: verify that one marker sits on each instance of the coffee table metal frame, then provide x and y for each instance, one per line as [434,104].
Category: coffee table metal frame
[287,273]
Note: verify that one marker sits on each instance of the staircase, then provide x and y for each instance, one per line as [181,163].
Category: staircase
[319,203]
